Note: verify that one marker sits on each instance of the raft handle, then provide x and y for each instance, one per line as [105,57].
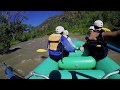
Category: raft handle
[111,73]
[36,74]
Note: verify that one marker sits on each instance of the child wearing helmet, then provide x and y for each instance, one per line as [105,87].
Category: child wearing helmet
[91,29]
[58,45]
[69,39]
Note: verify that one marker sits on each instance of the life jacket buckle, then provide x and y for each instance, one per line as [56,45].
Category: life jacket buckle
[98,45]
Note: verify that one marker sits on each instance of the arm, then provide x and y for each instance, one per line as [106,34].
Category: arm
[111,34]
[70,41]
[67,45]
[93,35]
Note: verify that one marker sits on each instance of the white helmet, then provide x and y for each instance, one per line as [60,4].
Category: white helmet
[91,28]
[66,32]
[59,29]
[98,23]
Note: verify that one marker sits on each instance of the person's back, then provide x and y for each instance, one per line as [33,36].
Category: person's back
[58,45]
[97,48]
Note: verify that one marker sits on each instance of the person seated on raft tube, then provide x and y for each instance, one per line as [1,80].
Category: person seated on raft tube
[96,48]
[91,29]
[58,45]
[100,29]
[69,39]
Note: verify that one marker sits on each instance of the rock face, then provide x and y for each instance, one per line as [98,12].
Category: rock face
[67,15]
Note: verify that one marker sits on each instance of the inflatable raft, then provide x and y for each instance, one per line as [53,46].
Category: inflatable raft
[76,66]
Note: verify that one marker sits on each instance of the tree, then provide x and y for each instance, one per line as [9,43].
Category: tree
[10,26]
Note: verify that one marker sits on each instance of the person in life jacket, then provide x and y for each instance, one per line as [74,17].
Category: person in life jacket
[91,29]
[58,45]
[69,39]
[98,24]
[97,27]
[96,48]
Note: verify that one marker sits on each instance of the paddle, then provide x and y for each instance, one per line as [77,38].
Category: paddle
[108,45]
[16,72]
[9,72]
[41,50]
[113,48]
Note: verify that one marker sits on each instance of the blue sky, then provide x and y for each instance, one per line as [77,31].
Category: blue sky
[38,17]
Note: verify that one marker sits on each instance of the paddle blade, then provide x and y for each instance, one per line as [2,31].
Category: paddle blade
[41,50]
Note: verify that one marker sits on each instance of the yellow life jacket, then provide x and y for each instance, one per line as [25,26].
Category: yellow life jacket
[54,41]
[105,29]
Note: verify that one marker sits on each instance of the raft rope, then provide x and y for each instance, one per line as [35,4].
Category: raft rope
[73,73]
[36,74]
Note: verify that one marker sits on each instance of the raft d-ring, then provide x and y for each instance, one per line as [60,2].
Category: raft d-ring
[76,65]
[76,53]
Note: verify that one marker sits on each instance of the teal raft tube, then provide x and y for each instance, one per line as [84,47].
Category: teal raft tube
[75,66]
[108,65]
[77,63]
[43,69]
